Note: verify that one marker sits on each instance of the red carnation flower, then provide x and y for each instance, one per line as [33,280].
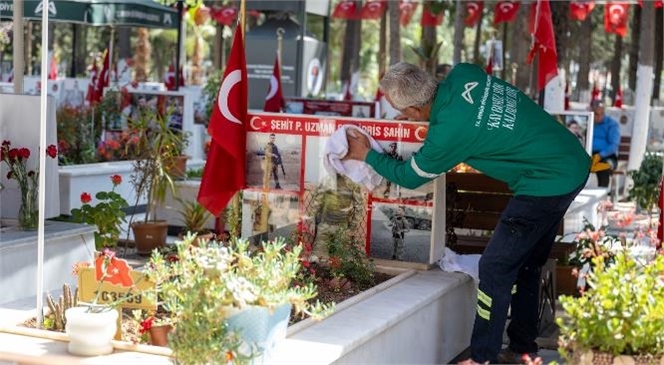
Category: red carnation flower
[6,143]
[24,152]
[52,151]
[85,198]
[13,154]
[116,179]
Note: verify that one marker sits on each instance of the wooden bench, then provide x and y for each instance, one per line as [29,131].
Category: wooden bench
[474,204]
[618,176]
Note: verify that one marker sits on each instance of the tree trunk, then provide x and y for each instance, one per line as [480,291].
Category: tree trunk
[124,42]
[478,39]
[615,67]
[659,51]
[197,60]
[585,58]
[27,48]
[644,84]
[217,59]
[348,53]
[635,32]
[382,46]
[142,55]
[81,52]
[395,32]
[519,47]
[560,18]
[428,43]
[459,14]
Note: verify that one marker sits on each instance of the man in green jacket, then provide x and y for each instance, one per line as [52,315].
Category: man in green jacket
[493,127]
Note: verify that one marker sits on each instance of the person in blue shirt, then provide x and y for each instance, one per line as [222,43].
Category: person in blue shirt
[606,140]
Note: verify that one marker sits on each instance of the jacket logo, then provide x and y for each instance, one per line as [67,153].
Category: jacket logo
[469,86]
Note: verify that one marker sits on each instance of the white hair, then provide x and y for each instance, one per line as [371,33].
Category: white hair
[407,85]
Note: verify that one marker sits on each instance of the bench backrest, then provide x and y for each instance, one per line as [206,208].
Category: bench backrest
[623,148]
[476,200]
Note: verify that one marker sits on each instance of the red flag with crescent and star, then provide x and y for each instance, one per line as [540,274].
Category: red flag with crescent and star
[429,19]
[579,10]
[274,101]
[345,9]
[373,9]
[616,16]
[103,78]
[544,42]
[505,11]
[473,12]
[90,96]
[406,11]
[224,172]
[617,102]
[224,15]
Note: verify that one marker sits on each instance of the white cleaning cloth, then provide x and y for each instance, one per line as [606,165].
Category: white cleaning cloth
[358,171]
[453,262]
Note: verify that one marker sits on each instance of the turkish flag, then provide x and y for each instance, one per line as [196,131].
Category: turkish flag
[473,12]
[53,69]
[90,95]
[103,77]
[346,9]
[489,66]
[224,172]
[169,78]
[544,42]
[579,10]
[274,101]
[348,96]
[594,95]
[658,4]
[224,15]
[373,9]
[617,102]
[505,11]
[430,19]
[406,11]
[616,16]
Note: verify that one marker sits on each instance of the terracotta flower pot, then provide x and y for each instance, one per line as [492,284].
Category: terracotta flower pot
[159,335]
[149,236]
[565,281]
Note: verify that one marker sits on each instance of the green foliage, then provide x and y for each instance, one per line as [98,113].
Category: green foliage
[77,133]
[621,313]
[195,173]
[591,243]
[108,215]
[645,191]
[194,216]
[348,258]
[208,284]
[210,91]
[158,145]
[56,320]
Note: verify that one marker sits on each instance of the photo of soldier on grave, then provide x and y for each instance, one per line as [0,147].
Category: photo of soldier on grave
[274,161]
[401,232]
[278,220]
[402,151]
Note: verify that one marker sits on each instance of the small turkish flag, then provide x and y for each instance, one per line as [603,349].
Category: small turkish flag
[544,42]
[90,96]
[505,11]
[224,172]
[616,16]
[169,79]
[103,79]
[406,11]
[658,3]
[473,12]
[274,101]
[430,19]
[346,9]
[617,102]
[373,9]
[489,66]
[579,10]
[595,93]
[224,15]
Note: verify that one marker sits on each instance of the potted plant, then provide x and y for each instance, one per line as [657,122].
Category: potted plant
[108,214]
[212,291]
[177,163]
[619,319]
[92,325]
[151,177]
[645,189]
[194,218]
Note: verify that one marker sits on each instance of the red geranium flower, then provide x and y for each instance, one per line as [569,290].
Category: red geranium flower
[116,179]
[52,151]
[146,324]
[85,198]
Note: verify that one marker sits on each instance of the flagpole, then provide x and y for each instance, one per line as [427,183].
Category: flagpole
[236,203]
[280,38]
